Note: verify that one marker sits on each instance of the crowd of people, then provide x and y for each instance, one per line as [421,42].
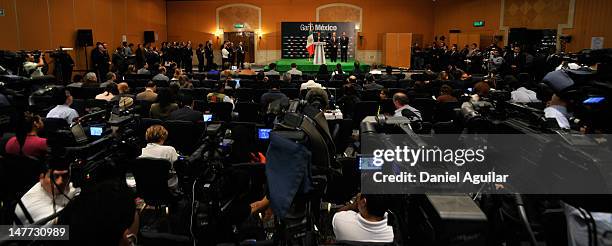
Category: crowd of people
[448,74]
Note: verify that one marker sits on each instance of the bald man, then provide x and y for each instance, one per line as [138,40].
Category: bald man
[401,100]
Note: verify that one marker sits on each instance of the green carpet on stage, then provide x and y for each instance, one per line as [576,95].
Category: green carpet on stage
[304,65]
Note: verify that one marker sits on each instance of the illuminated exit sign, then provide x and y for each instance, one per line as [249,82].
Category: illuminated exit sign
[239,26]
[479,23]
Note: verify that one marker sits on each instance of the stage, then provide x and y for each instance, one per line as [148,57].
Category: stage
[284,65]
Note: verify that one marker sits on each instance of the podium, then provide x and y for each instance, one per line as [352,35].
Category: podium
[319,54]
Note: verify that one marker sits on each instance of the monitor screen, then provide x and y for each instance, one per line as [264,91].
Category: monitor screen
[367,163]
[207,117]
[79,133]
[263,133]
[594,100]
[96,131]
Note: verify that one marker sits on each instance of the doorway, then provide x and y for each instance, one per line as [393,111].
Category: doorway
[248,42]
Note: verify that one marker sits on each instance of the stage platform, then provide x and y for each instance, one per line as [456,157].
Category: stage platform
[306,66]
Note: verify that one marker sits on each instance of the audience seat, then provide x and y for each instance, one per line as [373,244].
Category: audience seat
[145,123]
[273,77]
[363,109]
[199,93]
[446,111]
[85,92]
[245,95]
[151,177]
[248,112]
[183,135]
[291,93]
[426,106]
[222,111]
[161,83]
[200,105]
[79,106]
[370,95]
[389,83]
[18,174]
[405,83]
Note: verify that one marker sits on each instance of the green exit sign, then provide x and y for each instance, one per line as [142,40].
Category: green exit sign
[239,25]
[478,23]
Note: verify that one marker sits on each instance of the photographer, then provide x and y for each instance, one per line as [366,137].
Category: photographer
[50,195]
[33,69]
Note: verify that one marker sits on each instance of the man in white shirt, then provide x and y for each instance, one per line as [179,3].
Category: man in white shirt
[401,100]
[557,109]
[310,84]
[39,200]
[272,70]
[524,95]
[224,56]
[33,69]
[365,220]
[63,100]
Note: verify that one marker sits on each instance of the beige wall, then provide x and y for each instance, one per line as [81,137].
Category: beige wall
[591,18]
[40,24]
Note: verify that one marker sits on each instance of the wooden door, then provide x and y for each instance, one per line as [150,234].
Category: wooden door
[248,42]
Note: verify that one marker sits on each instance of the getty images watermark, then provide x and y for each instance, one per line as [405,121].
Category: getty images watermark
[406,156]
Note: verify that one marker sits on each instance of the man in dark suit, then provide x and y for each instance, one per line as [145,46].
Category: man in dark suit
[208,53]
[200,55]
[232,53]
[240,54]
[517,60]
[344,42]
[333,47]
[185,112]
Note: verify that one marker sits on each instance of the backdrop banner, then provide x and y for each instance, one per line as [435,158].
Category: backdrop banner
[295,35]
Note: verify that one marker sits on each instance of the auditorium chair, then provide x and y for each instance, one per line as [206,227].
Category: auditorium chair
[7,116]
[91,104]
[426,106]
[85,92]
[79,106]
[273,77]
[183,135]
[248,112]
[145,123]
[143,107]
[245,95]
[214,77]
[405,83]
[248,83]
[445,111]
[291,93]
[335,83]
[186,91]
[257,94]
[200,105]
[54,125]
[249,77]
[161,83]
[222,111]
[199,93]
[198,76]
[389,83]
[151,177]
[296,78]
[363,109]
[370,95]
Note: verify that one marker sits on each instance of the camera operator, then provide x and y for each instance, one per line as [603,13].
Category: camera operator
[364,220]
[63,65]
[104,214]
[50,195]
[401,100]
[33,69]
[556,108]
[62,98]
[156,136]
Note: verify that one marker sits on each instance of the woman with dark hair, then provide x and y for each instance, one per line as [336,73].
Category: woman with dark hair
[446,94]
[348,101]
[338,71]
[164,106]
[323,73]
[26,141]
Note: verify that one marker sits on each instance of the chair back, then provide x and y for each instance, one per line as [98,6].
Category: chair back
[151,177]
[183,135]
[363,109]
[222,111]
[248,112]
